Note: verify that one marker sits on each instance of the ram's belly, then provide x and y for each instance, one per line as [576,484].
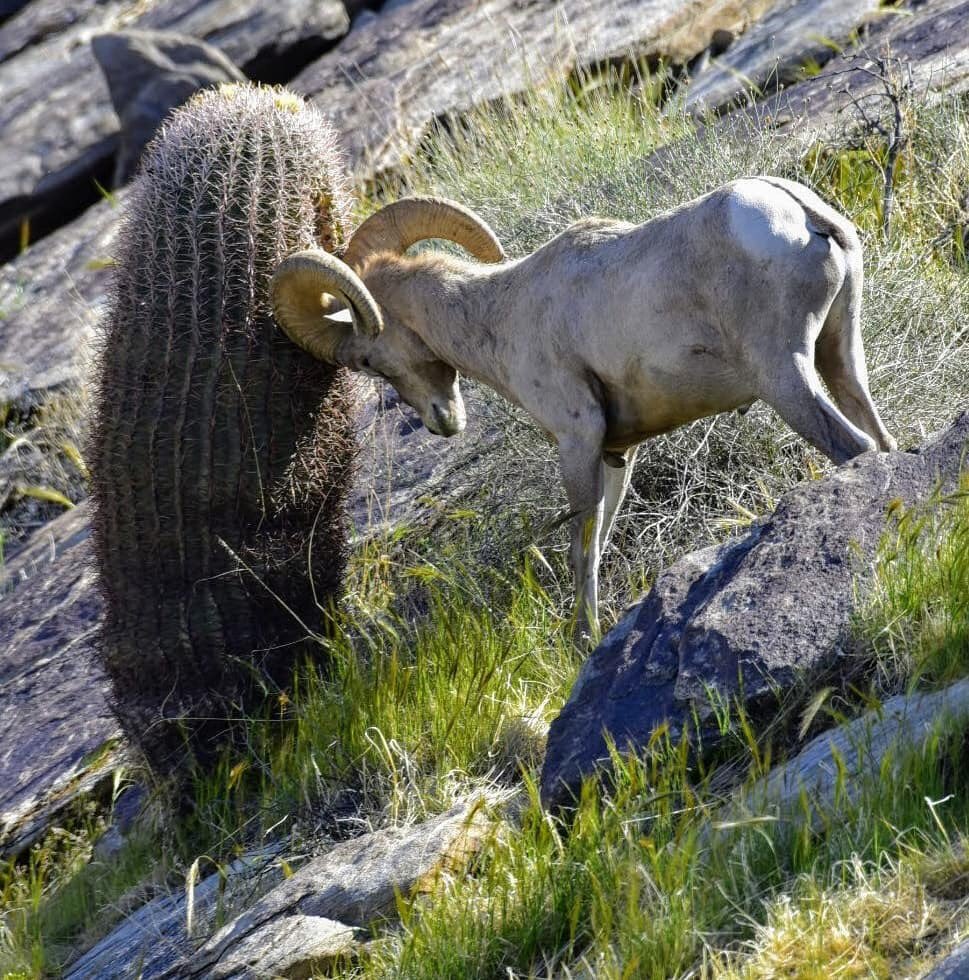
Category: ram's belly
[649,401]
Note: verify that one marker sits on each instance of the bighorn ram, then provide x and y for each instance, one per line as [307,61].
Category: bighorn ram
[608,334]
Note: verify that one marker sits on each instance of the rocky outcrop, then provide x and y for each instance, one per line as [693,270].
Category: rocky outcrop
[149,73]
[928,46]
[40,20]
[955,966]
[775,50]
[754,619]
[355,883]
[50,300]
[830,770]
[56,116]
[295,926]
[389,79]
[298,946]
[58,738]
[159,935]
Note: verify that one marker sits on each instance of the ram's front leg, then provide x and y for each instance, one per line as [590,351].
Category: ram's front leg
[581,463]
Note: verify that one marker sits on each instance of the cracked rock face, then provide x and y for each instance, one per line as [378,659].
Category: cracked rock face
[750,619]
[351,887]
[56,115]
[58,739]
[393,75]
[774,50]
[156,938]
[931,41]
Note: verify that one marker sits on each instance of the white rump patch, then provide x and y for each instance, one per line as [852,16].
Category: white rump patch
[765,220]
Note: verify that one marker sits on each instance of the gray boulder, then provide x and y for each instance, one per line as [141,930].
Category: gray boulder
[955,966]
[931,41]
[149,73]
[37,20]
[157,936]
[298,946]
[772,52]
[754,619]
[831,770]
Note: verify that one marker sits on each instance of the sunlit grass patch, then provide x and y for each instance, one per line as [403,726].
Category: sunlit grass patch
[62,891]
[875,923]
[637,883]
[407,715]
[915,619]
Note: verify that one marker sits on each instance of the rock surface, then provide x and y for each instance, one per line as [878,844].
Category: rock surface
[831,768]
[770,54]
[754,618]
[299,946]
[50,299]
[150,941]
[56,116]
[149,73]
[58,738]
[43,19]
[931,41]
[356,883]
[955,966]
[390,78]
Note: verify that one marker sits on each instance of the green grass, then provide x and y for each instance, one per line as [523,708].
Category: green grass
[61,892]
[641,884]
[408,716]
[638,886]
[916,617]
[451,653]
[415,715]
[44,471]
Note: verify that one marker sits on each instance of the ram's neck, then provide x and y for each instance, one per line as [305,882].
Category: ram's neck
[450,305]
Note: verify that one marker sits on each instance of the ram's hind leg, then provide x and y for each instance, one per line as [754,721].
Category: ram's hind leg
[840,357]
[794,392]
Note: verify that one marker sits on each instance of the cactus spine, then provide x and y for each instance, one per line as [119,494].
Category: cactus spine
[222,454]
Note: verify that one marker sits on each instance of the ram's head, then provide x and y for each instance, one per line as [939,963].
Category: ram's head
[324,303]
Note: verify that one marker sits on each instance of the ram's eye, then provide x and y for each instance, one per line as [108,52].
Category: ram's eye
[365,364]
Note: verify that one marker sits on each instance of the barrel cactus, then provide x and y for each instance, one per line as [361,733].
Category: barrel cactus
[222,453]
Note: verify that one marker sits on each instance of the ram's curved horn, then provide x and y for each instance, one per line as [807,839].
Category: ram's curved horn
[397,226]
[300,287]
